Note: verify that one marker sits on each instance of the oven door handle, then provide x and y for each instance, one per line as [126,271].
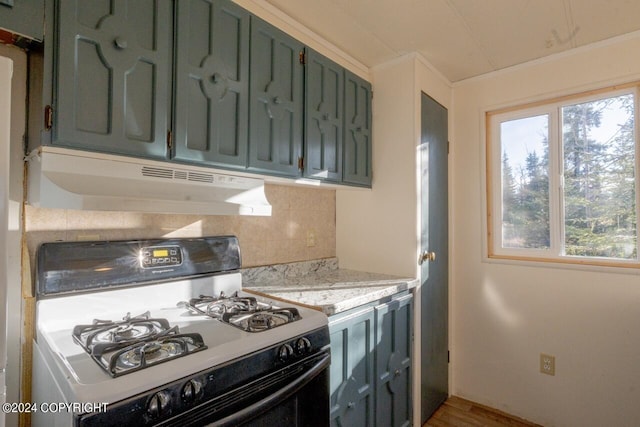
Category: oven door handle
[267,403]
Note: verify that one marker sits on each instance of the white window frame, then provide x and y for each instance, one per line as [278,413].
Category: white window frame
[552,108]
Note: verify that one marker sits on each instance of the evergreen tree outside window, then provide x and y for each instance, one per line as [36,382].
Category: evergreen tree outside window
[525,183]
[562,180]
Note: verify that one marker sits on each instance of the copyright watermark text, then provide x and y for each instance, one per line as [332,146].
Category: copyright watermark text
[53,407]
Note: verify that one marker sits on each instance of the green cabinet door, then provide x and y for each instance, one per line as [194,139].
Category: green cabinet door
[113,76]
[23,17]
[351,371]
[370,374]
[275,100]
[324,118]
[393,362]
[212,83]
[357,131]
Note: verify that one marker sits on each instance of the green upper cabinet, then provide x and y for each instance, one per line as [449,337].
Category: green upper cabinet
[324,118]
[357,132]
[211,83]
[276,101]
[113,76]
[23,17]
[202,82]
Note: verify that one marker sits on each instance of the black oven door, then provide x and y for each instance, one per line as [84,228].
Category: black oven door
[293,396]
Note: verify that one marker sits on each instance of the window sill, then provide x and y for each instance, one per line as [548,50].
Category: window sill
[597,265]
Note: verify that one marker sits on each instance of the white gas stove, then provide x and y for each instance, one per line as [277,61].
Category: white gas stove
[159,332]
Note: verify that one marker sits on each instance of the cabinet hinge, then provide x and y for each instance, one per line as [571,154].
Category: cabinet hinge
[301,163]
[448,356]
[48,117]
[447,147]
[169,140]
[303,58]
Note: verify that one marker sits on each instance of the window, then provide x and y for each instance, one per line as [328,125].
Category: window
[562,180]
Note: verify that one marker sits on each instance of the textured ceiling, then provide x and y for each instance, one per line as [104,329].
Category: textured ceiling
[463,38]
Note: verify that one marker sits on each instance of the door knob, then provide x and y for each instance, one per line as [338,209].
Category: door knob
[426,256]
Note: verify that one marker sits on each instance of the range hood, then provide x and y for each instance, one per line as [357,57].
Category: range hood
[74,179]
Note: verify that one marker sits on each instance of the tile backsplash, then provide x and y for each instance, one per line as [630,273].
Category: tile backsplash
[302,226]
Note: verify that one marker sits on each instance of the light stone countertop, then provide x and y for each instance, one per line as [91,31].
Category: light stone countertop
[322,285]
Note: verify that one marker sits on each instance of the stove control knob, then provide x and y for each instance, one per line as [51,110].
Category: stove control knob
[285,352]
[159,404]
[191,391]
[303,345]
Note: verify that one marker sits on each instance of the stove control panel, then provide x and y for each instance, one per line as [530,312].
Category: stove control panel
[160,256]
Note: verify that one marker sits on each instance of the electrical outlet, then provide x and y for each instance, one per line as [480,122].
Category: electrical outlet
[547,364]
[311,238]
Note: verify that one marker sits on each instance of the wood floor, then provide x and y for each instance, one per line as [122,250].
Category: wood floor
[458,412]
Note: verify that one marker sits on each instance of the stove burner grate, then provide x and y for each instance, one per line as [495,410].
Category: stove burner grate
[216,307]
[147,353]
[134,343]
[129,329]
[262,320]
[243,312]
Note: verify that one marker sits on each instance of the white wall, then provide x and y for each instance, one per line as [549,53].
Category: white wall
[505,315]
[378,230]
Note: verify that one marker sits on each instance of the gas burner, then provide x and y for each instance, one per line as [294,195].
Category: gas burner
[147,353]
[134,343]
[129,329]
[262,320]
[218,306]
[244,312]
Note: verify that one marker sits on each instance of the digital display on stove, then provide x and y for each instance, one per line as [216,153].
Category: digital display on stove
[157,253]
[160,256]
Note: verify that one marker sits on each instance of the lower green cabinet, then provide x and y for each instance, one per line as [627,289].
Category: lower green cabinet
[371,364]
[393,361]
[351,376]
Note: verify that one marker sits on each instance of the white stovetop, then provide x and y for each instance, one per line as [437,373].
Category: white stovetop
[81,379]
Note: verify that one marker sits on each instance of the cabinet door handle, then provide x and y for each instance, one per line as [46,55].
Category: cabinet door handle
[426,256]
[277,100]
